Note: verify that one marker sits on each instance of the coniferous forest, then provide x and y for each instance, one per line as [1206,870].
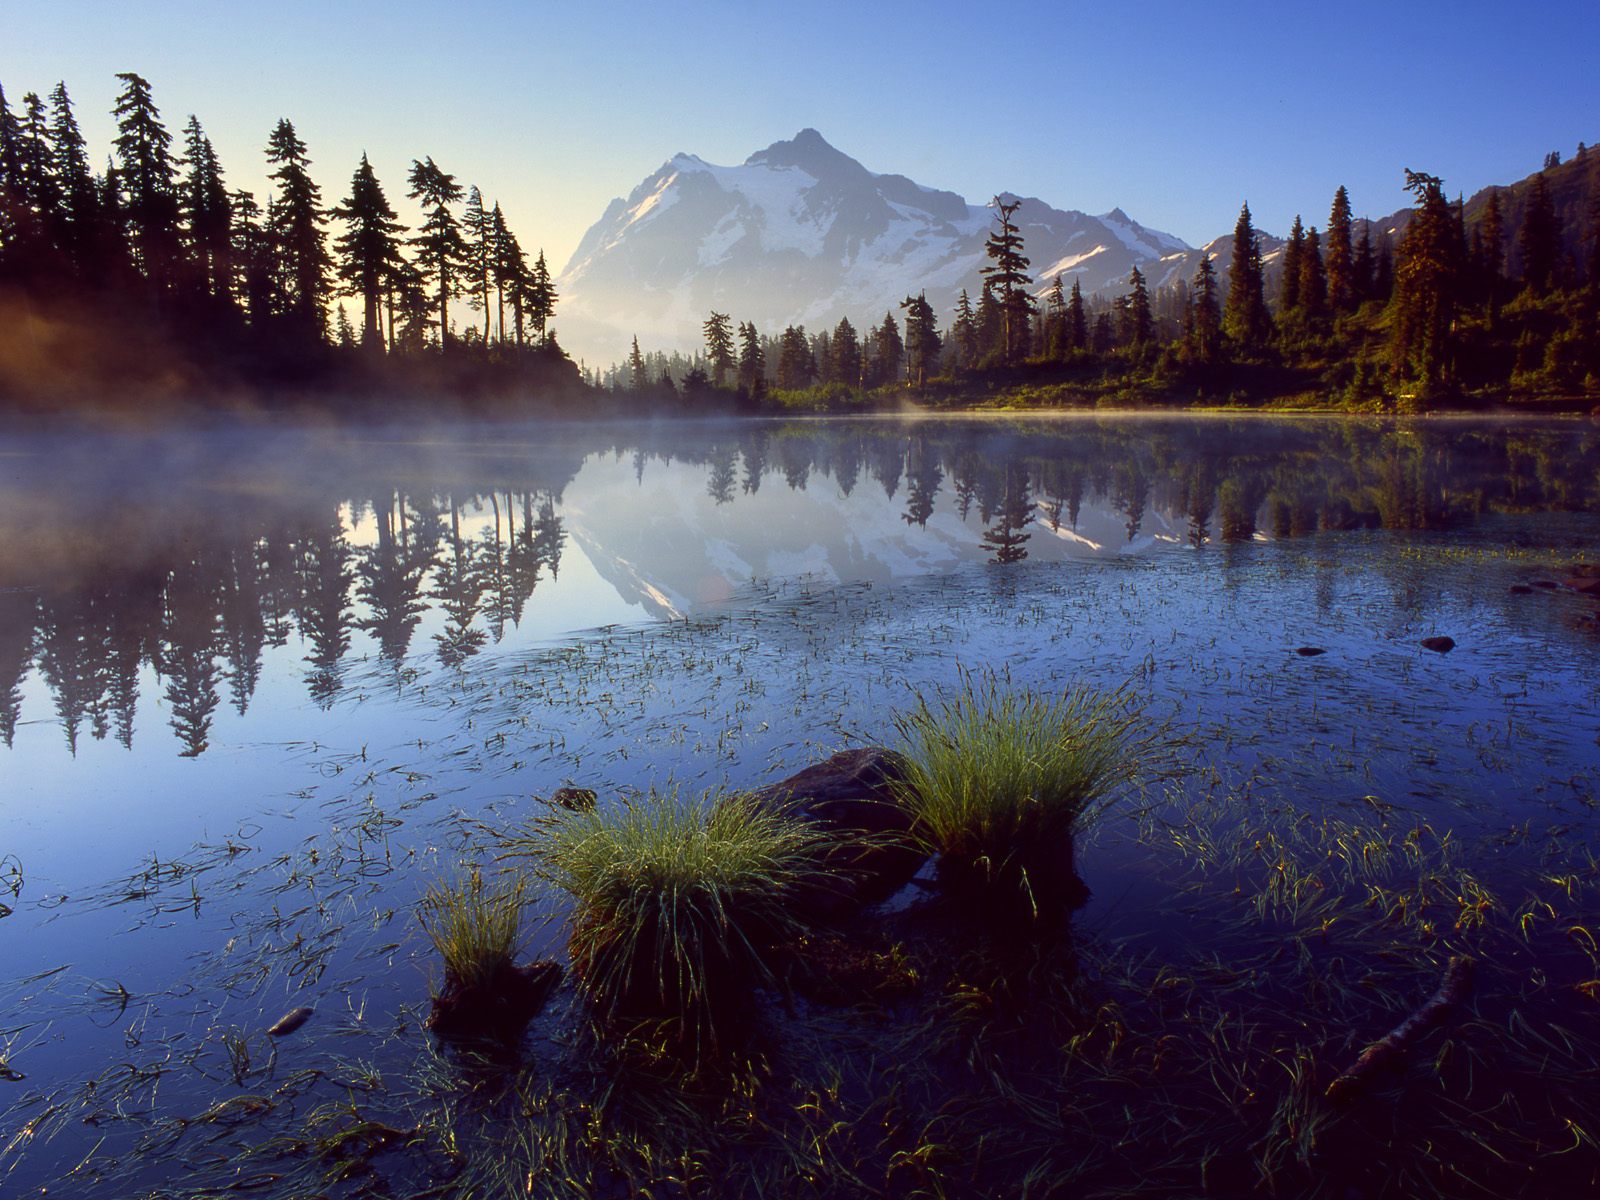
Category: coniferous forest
[152,282]
[1488,303]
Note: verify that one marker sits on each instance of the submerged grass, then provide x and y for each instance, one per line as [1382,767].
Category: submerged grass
[1001,780]
[476,926]
[678,901]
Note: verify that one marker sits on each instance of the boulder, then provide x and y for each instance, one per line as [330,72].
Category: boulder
[869,852]
[574,799]
[498,1010]
[1309,651]
[1439,645]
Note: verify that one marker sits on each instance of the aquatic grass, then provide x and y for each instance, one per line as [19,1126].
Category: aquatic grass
[476,926]
[678,900]
[1000,780]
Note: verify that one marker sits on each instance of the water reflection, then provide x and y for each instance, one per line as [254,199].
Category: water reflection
[185,560]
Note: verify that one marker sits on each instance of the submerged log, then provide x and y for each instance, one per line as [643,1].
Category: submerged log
[1388,1050]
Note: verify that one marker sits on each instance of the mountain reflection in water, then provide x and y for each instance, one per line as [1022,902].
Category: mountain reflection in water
[168,566]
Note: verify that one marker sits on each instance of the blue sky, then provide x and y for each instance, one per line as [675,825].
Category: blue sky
[1173,111]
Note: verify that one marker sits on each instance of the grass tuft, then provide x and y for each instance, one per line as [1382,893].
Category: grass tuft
[1000,779]
[677,900]
[475,926]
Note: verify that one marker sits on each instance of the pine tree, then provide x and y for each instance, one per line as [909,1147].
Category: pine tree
[146,172]
[1245,315]
[638,376]
[1055,339]
[1340,261]
[796,367]
[438,241]
[77,218]
[1363,266]
[719,346]
[251,249]
[1141,324]
[989,328]
[1008,276]
[298,233]
[541,297]
[1077,320]
[1427,280]
[504,266]
[1293,255]
[1491,247]
[888,352]
[1539,241]
[1313,280]
[478,232]
[964,332]
[343,333]
[922,339]
[1207,320]
[847,353]
[752,360]
[369,249]
[207,213]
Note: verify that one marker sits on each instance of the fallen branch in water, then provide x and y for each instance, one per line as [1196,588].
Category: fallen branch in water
[1389,1049]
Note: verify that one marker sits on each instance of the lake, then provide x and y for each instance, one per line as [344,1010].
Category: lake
[259,689]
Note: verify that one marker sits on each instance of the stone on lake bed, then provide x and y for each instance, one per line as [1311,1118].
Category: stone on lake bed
[499,1009]
[1309,651]
[290,1021]
[574,799]
[851,798]
[1521,589]
[1439,645]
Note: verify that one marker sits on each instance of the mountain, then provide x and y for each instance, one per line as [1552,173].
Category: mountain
[801,233]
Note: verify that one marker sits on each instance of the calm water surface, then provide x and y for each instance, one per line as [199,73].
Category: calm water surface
[256,690]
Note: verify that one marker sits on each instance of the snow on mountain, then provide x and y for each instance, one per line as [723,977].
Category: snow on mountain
[801,233]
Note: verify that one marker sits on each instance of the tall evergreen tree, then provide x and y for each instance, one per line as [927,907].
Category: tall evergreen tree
[369,249]
[1427,282]
[251,250]
[477,231]
[638,375]
[207,213]
[77,219]
[1293,255]
[1141,324]
[1364,265]
[752,360]
[888,352]
[1207,320]
[847,353]
[147,173]
[541,296]
[504,265]
[298,232]
[1313,279]
[1007,276]
[1244,317]
[1540,239]
[438,241]
[718,331]
[964,332]
[922,338]
[796,367]
[1340,259]
[1077,319]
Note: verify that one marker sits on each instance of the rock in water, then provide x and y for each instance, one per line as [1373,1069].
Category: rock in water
[851,798]
[290,1021]
[1439,645]
[498,1010]
[574,799]
[1309,651]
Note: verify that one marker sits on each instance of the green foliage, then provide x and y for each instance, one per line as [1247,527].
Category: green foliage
[998,773]
[677,900]
[475,926]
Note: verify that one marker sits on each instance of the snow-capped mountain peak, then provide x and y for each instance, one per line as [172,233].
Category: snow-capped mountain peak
[801,233]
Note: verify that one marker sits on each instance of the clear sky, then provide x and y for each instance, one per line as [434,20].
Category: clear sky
[1175,111]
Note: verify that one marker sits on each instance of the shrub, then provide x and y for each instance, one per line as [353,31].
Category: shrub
[678,902]
[1001,781]
[476,927]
